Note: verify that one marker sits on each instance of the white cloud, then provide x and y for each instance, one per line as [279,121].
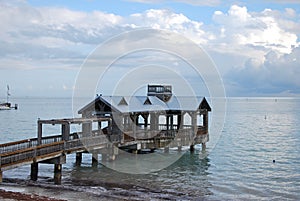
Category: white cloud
[265,31]
[258,49]
[191,2]
[51,33]
[284,1]
[165,19]
[276,74]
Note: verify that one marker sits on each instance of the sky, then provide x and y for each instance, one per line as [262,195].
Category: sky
[253,44]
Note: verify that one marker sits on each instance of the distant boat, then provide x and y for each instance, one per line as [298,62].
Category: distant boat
[7,105]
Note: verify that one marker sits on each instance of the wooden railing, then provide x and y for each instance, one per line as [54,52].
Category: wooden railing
[22,155]
[28,150]
[24,144]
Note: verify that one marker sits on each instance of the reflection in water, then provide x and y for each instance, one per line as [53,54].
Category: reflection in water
[186,178]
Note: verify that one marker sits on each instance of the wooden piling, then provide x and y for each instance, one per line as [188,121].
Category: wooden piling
[179,148]
[203,146]
[34,171]
[57,173]
[1,176]
[192,148]
[78,159]
[94,159]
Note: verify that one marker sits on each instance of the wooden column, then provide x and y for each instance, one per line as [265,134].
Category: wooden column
[1,176]
[34,171]
[168,121]
[194,129]
[205,121]
[39,133]
[171,122]
[65,130]
[180,120]
[134,126]
[57,173]
[203,146]
[94,158]
[125,120]
[192,149]
[87,129]
[128,122]
[145,116]
[194,122]
[179,148]
[153,121]
[78,159]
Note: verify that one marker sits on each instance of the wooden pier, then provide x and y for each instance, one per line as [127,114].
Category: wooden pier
[107,125]
[53,149]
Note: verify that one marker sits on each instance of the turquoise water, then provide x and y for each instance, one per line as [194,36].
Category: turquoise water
[239,167]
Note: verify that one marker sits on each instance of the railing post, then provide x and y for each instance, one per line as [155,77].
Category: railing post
[86,129]
[40,133]
[65,131]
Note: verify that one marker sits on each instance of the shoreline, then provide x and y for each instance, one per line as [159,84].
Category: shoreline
[29,191]
[19,189]
[12,196]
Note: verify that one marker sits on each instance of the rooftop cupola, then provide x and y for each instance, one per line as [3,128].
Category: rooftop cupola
[163,92]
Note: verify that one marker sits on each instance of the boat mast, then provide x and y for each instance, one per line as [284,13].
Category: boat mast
[8,94]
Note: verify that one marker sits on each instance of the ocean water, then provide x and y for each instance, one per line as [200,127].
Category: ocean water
[238,167]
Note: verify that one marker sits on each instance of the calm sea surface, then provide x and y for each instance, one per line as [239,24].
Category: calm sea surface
[239,167]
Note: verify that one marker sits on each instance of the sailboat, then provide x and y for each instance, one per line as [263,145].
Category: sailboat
[7,105]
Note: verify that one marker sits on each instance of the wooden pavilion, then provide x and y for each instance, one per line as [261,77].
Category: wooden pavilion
[156,120]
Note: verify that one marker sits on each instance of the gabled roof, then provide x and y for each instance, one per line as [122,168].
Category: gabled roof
[128,104]
[123,102]
[147,102]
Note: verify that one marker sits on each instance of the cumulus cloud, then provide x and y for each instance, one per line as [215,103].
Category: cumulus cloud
[165,19]
[276,74]
[264,31]
[263,47]
[51,33]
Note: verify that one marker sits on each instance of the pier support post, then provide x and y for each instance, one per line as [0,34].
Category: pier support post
[166,149]
[78,159]
[1,176]
[192,148]
[114,152]
[179,148]
[57,173]
[105,157]
[94,159]
[34,171]
[203,145]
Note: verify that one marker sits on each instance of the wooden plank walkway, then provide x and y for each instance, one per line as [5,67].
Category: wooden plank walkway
[23,152]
